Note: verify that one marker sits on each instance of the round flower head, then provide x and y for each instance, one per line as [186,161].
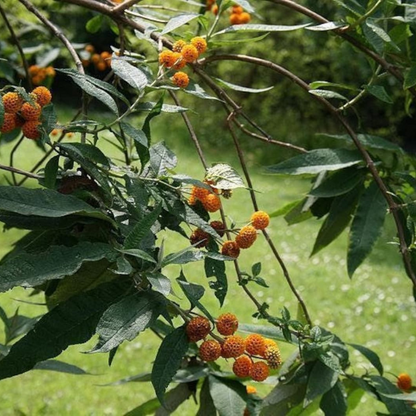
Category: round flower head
[210,350]
[233,346]
[179,62]
[260,371]
[12,102]
[260,220]
[30,111]
[212,203]
[227,324]
[167,58]
[272,355]
[31,129]
[43,96]
[218,226]
[244,18]
[230,249]
[255,344]
[199,238]
[180,79]
[178,45]
[9,123]
[198,328]
[404,381]
[246,237]
[200,44]
[189,53]
[242,366]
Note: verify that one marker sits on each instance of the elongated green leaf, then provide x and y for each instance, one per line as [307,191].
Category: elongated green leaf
[194,293]
[369,141]
[92,89]
[51,170]
[406,397]
[168,360]
[377,37]
[371,356]
[206,404]
[160,283]
[134,134]
[129,73]
[198,91]
[165,108]
[316,161]
[340,214]
[187,255]
[178,21]
[87,152]
[334,401]
[242,89]
[139,254]
[216,268]
[224,176]
[162,159]
[60,367]
[410,78]
[123,320]
[326,26]
[1,112]
[320,380]
[228,395]
[45,203]
[366,226]
[339,183]
[379,92]
[328,94]
[145,409]
[141,229]
[94,25]
[385,386]
[260,28]
[30,270]
[72,322]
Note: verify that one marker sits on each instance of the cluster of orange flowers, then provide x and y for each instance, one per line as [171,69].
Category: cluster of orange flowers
[181,54]
[238,16]
[212,6]
[39,74]
[101,61]
[244,351]
[404,382]
[19,113]
[209,197]
[247,235]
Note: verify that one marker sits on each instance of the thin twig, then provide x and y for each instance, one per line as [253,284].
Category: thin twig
[19,171]
[125,5]
[11,158]
[18,46]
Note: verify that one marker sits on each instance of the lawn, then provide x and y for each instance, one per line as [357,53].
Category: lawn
[375,308]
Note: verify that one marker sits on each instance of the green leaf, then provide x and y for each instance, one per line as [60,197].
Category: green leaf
[339,183]
[178,21]
[30,270]
[384,386]
[229,396]
[366,226]
[134,134]
[368,141]
[72,322]
[45,203]
[326,26]
[86,152]
[256,269]
[377,37]
[260,28]
[194,293]
[318,84]
[161,159]
[316,161]
[206,404]
[124,320]
[94,25]
[245,5]
[320,380]
[328,94]
[16,325]
[216,268]
[198,91]
[168,360]
[340,214]
[371,356]
[141,229]
[51,170]
[243,89]
[1,112]
[129,73]
[334,402]
[145,409]
[224,177]
[60,367]
[379,92]
[91,89]
[140,254]
[187,255]
[160,283]
[409,80]
[406,397]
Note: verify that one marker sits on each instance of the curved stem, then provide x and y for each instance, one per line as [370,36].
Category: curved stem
[19,171]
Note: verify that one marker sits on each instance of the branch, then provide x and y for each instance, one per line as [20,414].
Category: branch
[125,5]
[341,32]
[19,171]
[393,207]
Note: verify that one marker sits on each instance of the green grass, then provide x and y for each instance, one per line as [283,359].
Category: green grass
[375,308]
